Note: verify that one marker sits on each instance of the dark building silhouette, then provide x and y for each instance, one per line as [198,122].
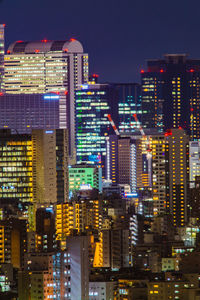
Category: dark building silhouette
[170,94]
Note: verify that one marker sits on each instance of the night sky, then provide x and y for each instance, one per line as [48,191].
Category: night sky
[118,35]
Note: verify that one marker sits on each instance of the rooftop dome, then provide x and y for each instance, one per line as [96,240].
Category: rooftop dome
[71,46]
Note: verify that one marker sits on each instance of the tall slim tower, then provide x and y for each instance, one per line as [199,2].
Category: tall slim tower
[1,55]
[47,66]
[177,175]
[93,103]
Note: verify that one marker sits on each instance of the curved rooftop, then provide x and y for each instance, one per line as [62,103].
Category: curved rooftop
[71,46]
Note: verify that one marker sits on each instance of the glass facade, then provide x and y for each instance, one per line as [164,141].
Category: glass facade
[22,113]
[47,66]
[16,154]
[28,73]
[92,124]
[152,100]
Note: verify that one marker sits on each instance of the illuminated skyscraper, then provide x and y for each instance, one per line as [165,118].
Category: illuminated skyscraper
[50,161]
[93,103]
[47,66]
[158,173]
[177,175]
[126,163]
[1,54]
[24,112]
[170,94]
[16,170]
[33,167]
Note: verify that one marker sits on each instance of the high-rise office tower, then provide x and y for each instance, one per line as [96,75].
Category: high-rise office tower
[170,94]
[24,112]
[47,66]
[177,175]
[33,168]
[16,169]
[124,153]
[120,100]
[127,163]
[1,55]
[93,104]
[50,160]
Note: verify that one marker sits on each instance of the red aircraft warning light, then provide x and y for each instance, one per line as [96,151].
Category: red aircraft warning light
[168,132]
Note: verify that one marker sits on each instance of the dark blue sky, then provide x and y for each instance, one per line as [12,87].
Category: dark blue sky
[119,35]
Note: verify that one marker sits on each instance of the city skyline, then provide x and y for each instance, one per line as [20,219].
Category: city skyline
[118,36]
[99,150]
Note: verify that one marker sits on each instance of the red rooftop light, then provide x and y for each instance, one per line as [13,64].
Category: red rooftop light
[142,71]
[19,41]
[191,70]
[4,25]
[45,41]
[95,75]
[161,71]
[72,40]
[168,132]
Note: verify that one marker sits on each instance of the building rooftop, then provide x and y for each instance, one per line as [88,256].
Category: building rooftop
[44,46]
